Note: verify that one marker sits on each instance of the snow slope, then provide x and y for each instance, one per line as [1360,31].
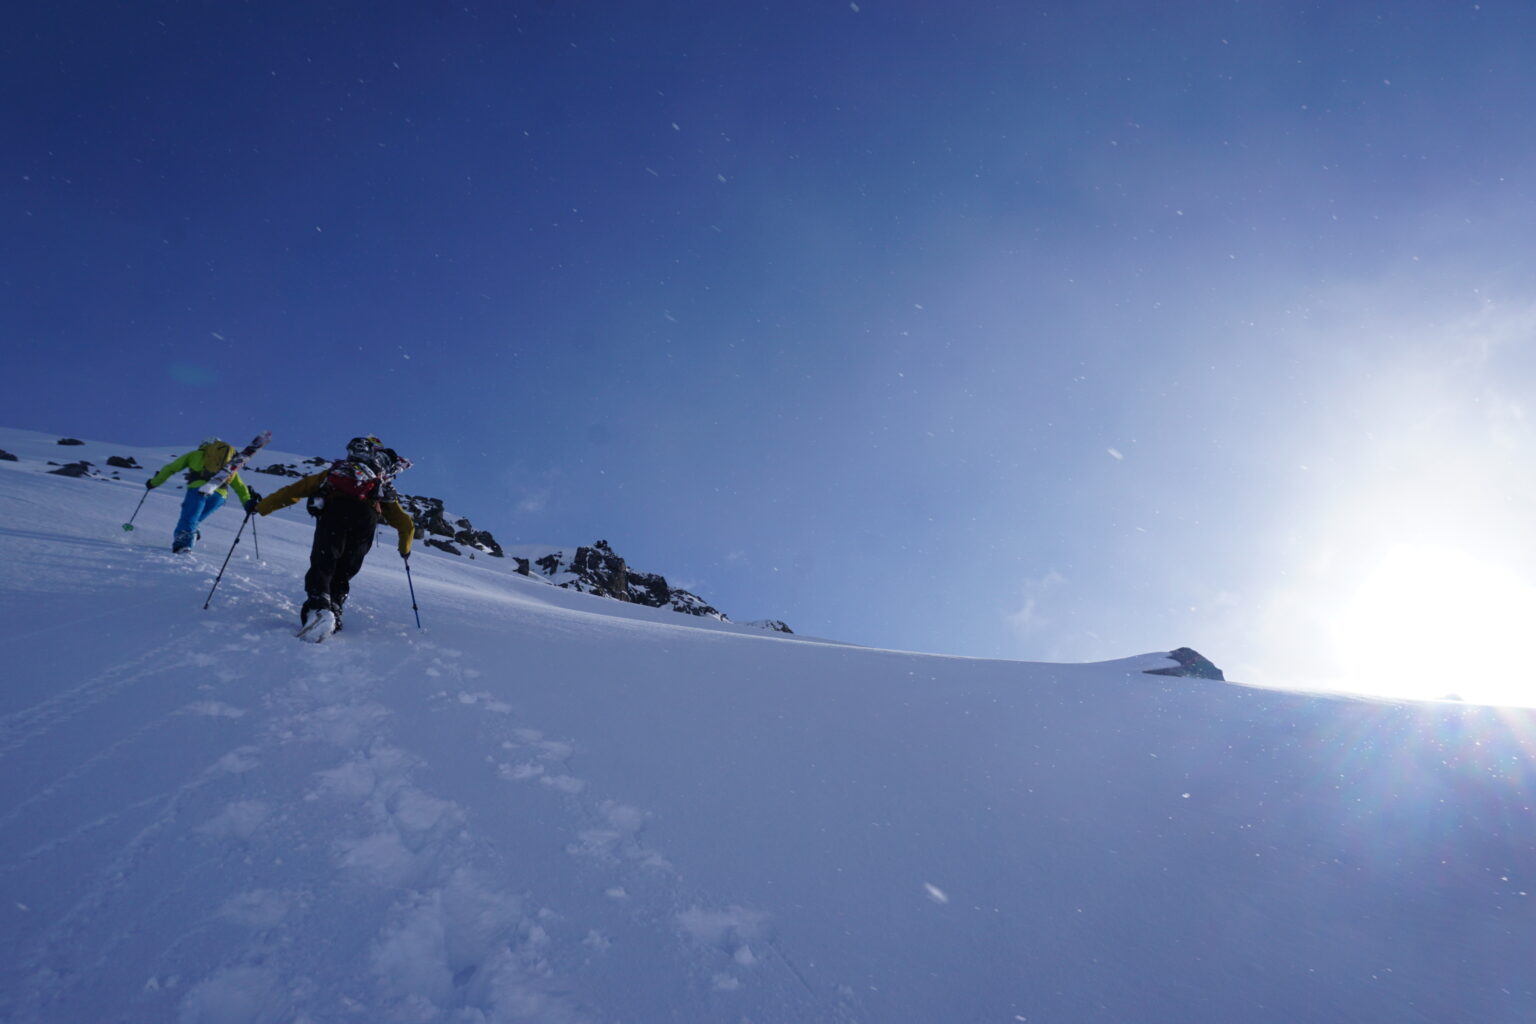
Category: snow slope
[548,806]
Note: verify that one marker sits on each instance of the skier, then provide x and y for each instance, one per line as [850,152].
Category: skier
[347,499]
[201,463]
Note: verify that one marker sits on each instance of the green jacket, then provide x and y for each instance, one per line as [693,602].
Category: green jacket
[197,475]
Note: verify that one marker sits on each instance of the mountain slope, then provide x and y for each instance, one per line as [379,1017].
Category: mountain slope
[547,806]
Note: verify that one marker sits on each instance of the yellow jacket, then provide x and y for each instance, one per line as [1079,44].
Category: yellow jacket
[393,514]
[198,474]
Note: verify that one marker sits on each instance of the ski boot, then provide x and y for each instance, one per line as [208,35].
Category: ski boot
[313,604]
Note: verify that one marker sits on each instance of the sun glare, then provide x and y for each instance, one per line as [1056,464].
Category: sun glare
[1433,622]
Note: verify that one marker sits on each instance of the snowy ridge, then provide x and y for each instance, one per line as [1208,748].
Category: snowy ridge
[544,807]
[437,529]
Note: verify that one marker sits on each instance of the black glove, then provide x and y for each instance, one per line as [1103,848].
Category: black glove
[252,502]
[405,556]
[149,485]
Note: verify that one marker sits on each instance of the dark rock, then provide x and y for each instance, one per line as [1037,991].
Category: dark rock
[692,604]
[1191,664]
[442,545]
[6,456]
[123,462]
[648,588]
[773,625]
[522,566]
[604,571]
[70,440]
[480,540]
[430,518]
[280,469]
[598,570]
[73,469]
[428,514]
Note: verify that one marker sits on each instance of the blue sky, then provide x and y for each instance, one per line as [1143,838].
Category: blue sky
[1017,330]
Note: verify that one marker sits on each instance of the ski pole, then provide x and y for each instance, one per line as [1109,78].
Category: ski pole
[254,541]
[408,583]
[226,559]
[128,526]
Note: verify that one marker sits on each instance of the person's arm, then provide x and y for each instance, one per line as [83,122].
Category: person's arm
[292,493]
[401,520]
[238,486]
[168,469]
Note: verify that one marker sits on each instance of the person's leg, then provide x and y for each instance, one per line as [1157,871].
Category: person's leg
[324,555]
[359,542]
[191,515]
[214,502]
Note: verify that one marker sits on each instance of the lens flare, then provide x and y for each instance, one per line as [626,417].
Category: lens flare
[1435,622]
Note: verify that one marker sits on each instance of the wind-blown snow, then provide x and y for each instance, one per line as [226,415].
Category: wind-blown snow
[547,806]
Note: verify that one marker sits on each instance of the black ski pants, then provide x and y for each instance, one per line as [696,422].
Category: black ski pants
[343,536]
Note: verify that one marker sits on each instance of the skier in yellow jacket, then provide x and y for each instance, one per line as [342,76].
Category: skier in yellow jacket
[348,499]
[201,463]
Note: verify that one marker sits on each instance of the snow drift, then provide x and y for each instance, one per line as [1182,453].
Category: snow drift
[547,806]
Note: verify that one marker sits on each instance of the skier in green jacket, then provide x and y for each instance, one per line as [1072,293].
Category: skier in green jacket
[201,463]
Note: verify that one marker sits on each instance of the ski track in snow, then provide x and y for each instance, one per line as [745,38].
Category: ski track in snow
[726,943]
[449,935]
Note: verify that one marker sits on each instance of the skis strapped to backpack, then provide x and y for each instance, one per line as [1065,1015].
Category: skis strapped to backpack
[237,463]
[358,479]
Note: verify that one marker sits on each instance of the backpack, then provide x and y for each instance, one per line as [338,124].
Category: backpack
[216,455]
[353,479]
[366,480]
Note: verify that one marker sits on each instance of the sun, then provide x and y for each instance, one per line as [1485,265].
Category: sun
[1434,622]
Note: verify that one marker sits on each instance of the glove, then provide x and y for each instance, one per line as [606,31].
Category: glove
[149,485]
[252,502]
[405,556]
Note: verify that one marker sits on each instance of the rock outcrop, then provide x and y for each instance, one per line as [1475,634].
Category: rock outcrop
[1191,663]
[597,569]
[278,469]
[432,519]
[772,625]
[123,462]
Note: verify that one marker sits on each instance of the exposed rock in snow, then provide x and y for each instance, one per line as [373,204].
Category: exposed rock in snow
[432,518]
[1191,663]
[279,469]
[596,569]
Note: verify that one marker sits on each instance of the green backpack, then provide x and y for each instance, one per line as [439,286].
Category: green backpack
[216,455]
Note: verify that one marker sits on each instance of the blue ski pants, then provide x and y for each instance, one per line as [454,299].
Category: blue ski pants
[195,508]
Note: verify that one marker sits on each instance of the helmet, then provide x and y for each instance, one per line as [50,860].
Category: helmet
[364,449]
